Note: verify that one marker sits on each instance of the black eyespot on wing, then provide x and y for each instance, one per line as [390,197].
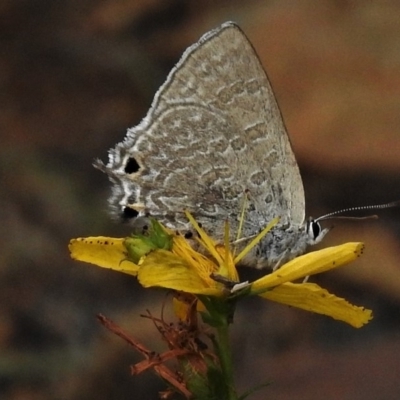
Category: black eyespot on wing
[131,166]
[129,213]
[188,235]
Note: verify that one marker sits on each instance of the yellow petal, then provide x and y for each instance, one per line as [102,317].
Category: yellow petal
[310,264]
[311,297]
[198,262]
[104,252]
[164,269]
[205,240]
[221,253]
[182,308]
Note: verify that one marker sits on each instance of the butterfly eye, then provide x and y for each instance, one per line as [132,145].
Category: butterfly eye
[131,166]
[313,229]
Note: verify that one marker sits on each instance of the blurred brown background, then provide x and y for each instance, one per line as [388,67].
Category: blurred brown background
[74,75]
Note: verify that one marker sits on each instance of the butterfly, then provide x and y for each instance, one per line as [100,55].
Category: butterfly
[212,141]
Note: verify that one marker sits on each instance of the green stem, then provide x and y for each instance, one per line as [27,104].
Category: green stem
[225,357]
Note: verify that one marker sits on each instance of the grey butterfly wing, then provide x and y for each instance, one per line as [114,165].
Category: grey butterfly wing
[213,133]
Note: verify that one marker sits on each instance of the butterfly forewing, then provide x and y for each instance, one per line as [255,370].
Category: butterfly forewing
[213,133]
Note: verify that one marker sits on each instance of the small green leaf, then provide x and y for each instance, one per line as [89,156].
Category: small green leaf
[142,244]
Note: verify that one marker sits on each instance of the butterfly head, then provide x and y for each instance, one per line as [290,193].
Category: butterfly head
[314,231]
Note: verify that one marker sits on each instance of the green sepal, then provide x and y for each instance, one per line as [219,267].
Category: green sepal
[140,245]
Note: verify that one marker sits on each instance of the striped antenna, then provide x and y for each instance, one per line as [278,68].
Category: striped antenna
[336,214]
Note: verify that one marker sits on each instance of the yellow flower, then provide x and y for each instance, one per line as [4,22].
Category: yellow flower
[183,269]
